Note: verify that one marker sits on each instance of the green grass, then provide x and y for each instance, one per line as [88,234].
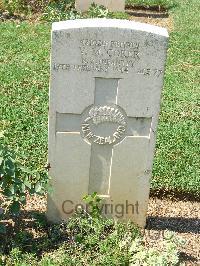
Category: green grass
[177,158]
[24,78]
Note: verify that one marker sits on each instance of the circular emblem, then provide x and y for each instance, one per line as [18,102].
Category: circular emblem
[104,124]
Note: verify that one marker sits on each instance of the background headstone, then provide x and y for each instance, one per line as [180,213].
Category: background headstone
[112,5]
[106,81]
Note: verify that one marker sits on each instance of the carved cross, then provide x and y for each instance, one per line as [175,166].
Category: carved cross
[103,125]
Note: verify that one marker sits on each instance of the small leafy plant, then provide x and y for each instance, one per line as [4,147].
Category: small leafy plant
[57,11]
[94,203]
[169,255]
[100,241]
[96,11]
[16,180]
[60,10]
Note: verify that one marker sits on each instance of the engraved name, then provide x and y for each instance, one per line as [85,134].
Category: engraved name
[103,56]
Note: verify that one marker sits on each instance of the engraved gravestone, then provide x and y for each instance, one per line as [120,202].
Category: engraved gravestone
[112,5]
[105,88]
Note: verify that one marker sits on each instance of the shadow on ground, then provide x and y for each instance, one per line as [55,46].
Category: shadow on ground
[143,14]
[176,224]
[30,232]
[156,225]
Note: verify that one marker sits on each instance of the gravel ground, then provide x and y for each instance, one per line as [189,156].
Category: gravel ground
[182,217]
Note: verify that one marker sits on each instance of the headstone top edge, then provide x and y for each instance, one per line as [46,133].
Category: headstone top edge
[109,23]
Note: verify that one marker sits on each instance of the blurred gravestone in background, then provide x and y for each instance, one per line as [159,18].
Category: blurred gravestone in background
[112,5]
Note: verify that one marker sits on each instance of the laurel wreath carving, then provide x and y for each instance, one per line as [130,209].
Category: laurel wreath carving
[107,114]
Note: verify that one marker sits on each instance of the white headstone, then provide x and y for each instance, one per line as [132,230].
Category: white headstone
[112,5]
[106,82]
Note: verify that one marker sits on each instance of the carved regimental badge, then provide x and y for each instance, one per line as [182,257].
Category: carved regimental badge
[104,124]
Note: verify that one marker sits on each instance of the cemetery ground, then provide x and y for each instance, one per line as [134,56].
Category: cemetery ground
[175,187]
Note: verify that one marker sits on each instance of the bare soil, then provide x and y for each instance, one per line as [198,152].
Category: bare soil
[158,19]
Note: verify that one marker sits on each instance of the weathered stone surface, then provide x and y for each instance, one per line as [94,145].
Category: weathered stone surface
[112,5]
[105,89]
